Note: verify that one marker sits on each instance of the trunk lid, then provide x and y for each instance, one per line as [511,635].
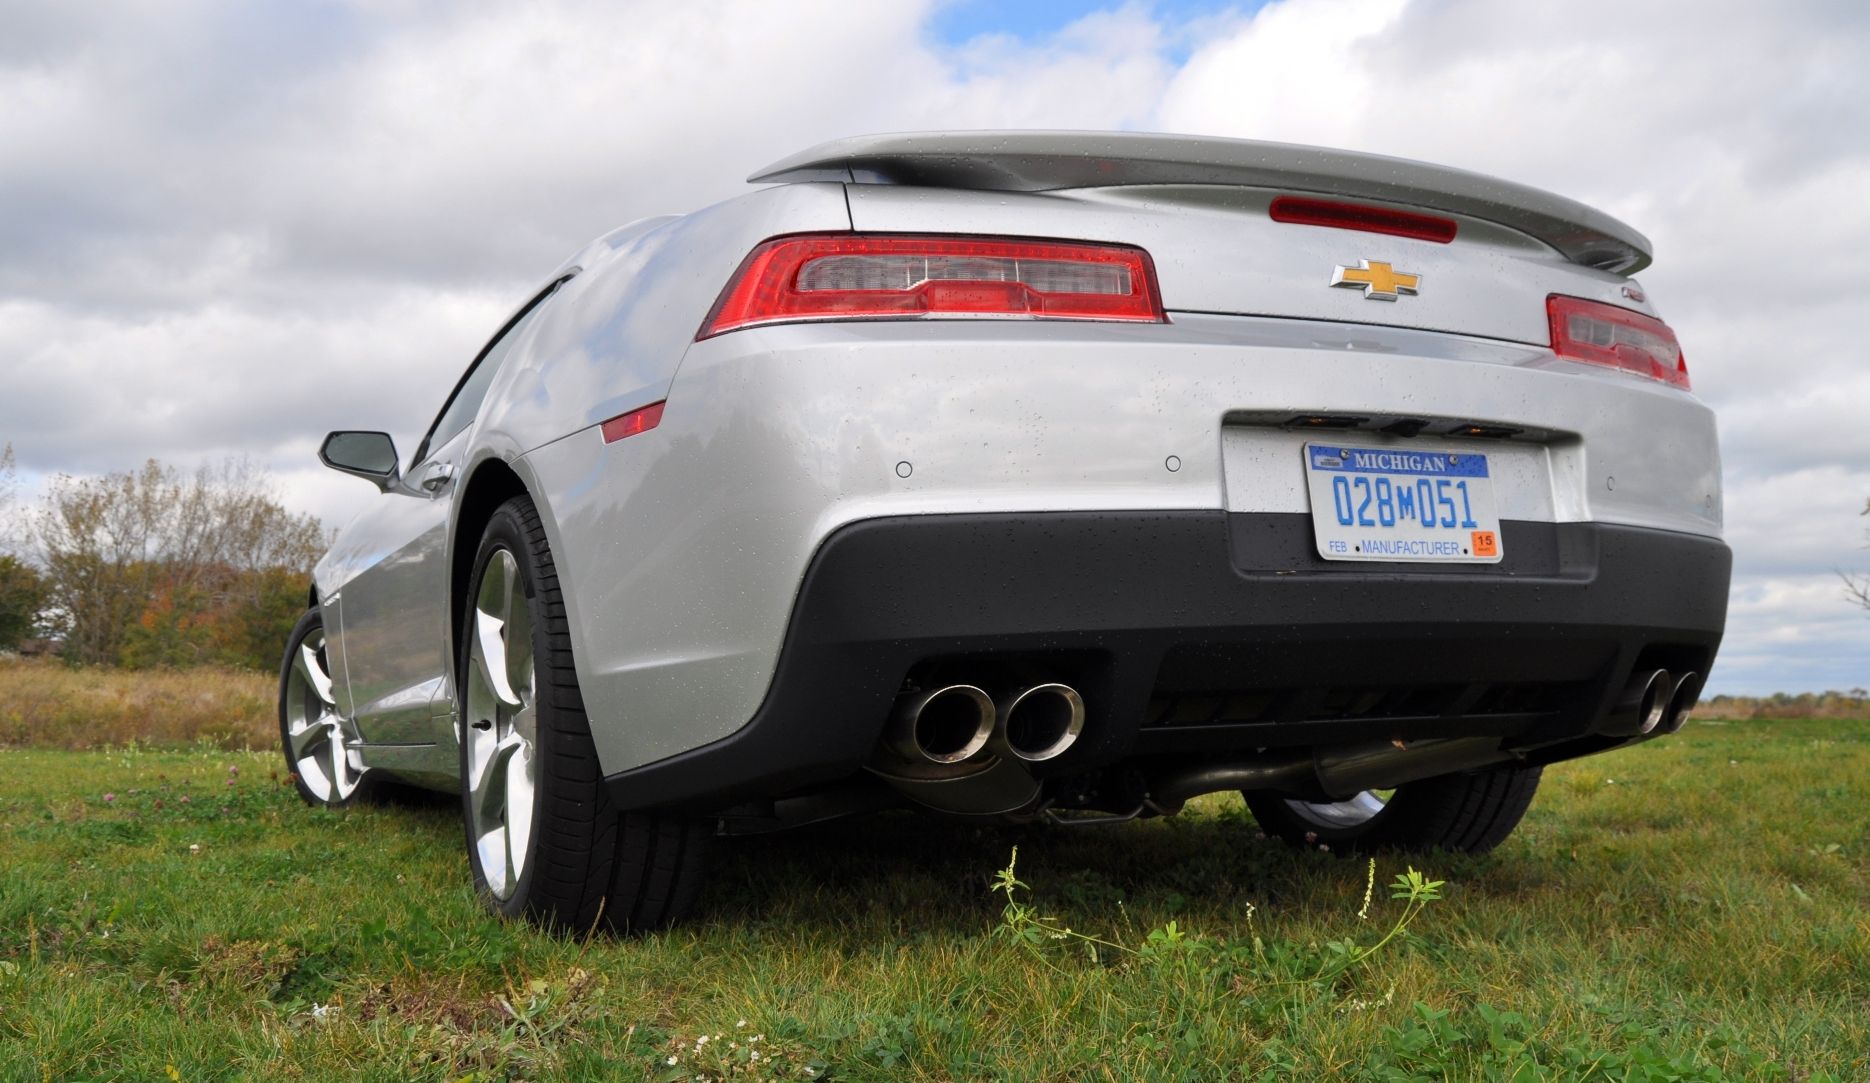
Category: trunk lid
[1202,209]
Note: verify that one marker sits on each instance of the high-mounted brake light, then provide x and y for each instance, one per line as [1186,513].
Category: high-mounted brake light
[1330,212]
[1617,337]
[854,276]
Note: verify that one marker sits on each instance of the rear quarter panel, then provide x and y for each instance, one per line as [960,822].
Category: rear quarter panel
[614,336]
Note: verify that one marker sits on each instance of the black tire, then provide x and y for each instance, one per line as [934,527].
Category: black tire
[587,862]
[1470,813]
[318,784]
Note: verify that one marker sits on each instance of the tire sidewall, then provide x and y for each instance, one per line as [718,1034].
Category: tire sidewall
[505,532]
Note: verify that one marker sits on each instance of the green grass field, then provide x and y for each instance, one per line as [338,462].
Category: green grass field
[1696,908]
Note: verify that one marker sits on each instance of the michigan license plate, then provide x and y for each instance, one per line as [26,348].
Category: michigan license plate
[1412,504]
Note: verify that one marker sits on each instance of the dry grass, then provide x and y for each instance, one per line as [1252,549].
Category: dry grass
[1783,705]
[47,704]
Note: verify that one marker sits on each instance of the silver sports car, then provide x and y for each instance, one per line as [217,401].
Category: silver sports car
[1054,476]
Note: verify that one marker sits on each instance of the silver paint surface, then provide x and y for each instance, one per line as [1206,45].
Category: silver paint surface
[681,549]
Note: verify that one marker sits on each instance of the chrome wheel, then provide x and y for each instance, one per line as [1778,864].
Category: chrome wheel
[502,725]
[1351,812]
[319,741]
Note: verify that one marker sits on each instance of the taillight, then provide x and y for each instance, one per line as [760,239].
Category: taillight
[853,276]
[1331,212]
[1616,337]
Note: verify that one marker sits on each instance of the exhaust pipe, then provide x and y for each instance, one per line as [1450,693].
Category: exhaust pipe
[1682,699]
[1333,774]
[943,725]
[1347,772]
[1040,722]
[1643,704]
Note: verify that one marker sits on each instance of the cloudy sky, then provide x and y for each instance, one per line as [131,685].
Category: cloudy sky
[226,228]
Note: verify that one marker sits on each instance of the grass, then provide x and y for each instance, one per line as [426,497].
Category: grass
[49,704]
[1695,908]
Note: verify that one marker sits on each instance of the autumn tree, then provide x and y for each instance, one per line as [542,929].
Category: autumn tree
[157,567]
[22,600]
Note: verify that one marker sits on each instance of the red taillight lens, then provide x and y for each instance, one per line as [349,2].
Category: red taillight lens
[640,420]
[1330,212]
[851,276]
[1617,337]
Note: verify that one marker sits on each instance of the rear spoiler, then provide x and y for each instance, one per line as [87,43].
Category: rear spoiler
[1046,161]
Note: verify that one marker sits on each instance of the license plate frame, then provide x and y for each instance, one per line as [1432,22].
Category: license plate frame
[1367,504]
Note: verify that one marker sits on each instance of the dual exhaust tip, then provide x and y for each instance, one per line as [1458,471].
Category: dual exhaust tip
[954,723]
[1658,701]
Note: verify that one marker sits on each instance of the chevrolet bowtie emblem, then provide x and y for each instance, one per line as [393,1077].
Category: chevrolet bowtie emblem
[1378,281]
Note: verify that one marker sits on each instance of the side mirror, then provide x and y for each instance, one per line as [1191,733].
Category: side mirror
[367,455]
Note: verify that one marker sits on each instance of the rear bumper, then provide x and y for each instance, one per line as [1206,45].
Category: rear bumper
[688,545]
[1196,633]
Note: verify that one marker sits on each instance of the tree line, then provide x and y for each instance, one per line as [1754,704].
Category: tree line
[154,567]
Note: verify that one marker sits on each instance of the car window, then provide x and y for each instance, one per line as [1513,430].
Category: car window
[465,402]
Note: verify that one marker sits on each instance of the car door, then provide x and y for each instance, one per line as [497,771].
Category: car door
[395,612]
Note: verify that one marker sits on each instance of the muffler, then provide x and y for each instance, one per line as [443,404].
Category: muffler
[1682,698]
[1642,705]
[1039,723]
[943,725]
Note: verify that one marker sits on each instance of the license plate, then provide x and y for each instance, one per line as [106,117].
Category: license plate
[1416,504]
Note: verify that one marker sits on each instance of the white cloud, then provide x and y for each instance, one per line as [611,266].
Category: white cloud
[1294,72]
[1798,519]
[226,228]
[1791,633]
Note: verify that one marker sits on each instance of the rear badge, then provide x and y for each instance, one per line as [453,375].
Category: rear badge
[1378,280]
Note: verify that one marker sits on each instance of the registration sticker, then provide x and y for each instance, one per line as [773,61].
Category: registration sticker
[1402,504]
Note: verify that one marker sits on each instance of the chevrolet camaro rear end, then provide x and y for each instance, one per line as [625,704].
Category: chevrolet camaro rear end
[1072,476]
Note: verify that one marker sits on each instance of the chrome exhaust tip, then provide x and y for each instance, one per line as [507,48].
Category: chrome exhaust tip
[1683,696]
[1641,706]
[942,725]
[1646,699]
[1040,722]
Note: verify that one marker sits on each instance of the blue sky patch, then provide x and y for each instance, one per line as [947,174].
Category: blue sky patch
[957,22]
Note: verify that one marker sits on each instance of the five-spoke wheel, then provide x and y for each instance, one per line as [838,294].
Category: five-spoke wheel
[501,735]
[320,743]
[545,839]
